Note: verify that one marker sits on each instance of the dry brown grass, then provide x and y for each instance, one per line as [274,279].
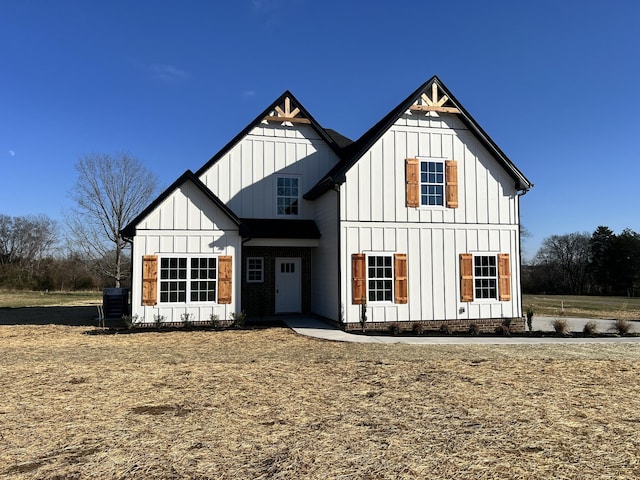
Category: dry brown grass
[267,404]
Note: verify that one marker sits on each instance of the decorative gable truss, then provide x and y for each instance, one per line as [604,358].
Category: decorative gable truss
[285,114]
[434,103]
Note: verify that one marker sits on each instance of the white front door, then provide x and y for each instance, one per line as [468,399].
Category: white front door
[288,285]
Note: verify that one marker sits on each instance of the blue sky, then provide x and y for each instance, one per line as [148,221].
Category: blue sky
[555,84]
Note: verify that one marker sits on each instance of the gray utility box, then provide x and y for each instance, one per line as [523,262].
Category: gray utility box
[115,302]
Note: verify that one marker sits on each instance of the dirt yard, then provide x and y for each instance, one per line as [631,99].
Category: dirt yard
[267,404]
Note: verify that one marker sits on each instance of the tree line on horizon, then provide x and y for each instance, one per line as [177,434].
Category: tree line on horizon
[90,253]
[600,263]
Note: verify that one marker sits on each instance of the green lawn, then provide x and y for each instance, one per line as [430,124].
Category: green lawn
[18,298]
[583,306]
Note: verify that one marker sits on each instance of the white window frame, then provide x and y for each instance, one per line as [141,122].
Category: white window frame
[298,201]
[255,269]
[188,281]
[490,278]
[379,279]
[442,185]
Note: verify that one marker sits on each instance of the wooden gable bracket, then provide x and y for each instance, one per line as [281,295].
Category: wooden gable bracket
[286,115]
[434,104]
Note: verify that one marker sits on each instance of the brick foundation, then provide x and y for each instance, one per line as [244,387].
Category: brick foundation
[488,325]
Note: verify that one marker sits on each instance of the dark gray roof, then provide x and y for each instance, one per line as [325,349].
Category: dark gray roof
[130,230]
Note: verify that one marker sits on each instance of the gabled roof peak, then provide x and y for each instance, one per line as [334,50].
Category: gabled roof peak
[431,96]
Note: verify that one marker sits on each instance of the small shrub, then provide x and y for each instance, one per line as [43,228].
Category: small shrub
[214,321]
[186,320]
[445,329]
[237,319]
[561,326]
[504,328]
[363,314]
[418,329]
[158,320]
[622,326]
[474,329]
[130,321]
[590,328]
[530,312]
[394,329]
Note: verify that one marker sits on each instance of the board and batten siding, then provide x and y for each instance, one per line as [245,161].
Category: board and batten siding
[433,269]
[375,219]
[375,189]
[325,260]
[244,178]
[187,224]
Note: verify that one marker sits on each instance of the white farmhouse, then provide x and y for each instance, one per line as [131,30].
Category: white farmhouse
[417,222]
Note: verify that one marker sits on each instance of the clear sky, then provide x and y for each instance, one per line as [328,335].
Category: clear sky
[555,84]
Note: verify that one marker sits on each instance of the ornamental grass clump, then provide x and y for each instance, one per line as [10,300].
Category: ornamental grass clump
[418,329]
[158,320]
[590,328]
[622,326]
[561,326]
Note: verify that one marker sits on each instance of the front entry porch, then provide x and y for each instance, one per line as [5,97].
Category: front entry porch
[276,280]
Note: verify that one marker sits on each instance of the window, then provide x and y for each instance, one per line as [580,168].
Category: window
[255,269]
[431,183]
[287,196]
[485,276]
[380,278]
[192,278]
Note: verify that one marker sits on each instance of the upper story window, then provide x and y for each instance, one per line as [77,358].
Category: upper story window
[431,183]
[287,196]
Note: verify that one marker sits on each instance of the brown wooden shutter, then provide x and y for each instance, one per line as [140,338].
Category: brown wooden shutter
[149,280]
[400,280]
[504,277]
[451,181]
[225,278]
[413,182]
[359,278]
[466,277]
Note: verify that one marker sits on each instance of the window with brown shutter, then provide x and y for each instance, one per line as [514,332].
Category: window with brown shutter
[412,168]
[466,277]
[504,277]
[451,179]
[225,278]
[358,278]
[400,277]
[149,280]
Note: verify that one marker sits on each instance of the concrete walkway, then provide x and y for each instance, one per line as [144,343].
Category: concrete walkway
[313,327]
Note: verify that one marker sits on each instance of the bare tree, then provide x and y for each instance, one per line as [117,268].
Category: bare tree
[109,192]
[565,259]
[25,238]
